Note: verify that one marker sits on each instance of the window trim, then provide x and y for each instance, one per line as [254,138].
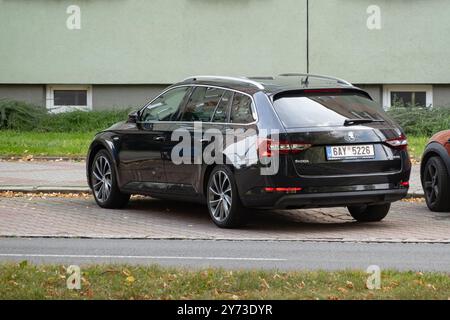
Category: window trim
[387,89]
[49,98]
[253,105]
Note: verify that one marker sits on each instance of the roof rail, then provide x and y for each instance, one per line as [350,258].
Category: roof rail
[240,79]
[316,76]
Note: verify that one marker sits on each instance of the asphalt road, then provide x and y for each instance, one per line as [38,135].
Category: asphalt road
[283,255]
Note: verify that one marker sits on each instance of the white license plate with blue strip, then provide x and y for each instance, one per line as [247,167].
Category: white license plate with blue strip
[360,151]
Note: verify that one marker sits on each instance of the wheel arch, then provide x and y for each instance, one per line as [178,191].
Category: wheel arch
[435,149]
[207,172]
[95,147]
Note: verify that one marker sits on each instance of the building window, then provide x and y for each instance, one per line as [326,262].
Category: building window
[407,95]
[61,98]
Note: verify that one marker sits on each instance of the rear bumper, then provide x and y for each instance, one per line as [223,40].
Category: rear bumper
[334,199]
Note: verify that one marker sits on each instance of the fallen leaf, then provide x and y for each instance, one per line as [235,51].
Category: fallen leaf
[431,287]
[264,283]
[126,272]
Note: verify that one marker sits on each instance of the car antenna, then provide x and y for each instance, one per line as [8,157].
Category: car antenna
[305,81]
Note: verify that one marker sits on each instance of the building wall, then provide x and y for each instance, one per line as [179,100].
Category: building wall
[126,96]
[411,47]
[104,96]
[134,96]
[127,49]
[28,93]
[375,91]
[160,41]
[441,96]
[142,42]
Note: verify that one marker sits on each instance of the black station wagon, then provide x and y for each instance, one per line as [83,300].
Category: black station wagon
[331,144]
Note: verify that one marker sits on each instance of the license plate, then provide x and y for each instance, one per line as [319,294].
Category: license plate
[365,151]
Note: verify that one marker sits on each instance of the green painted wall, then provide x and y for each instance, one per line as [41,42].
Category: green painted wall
[142,41]
[412,45]
[162,41]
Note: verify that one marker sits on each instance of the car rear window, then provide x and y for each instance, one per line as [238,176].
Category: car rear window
[324,110]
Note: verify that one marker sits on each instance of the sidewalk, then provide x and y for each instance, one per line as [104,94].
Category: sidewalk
[43,176]
[69,176]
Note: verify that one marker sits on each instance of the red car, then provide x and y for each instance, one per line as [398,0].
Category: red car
[435,172]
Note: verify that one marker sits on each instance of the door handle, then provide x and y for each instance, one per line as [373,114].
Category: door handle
[203,140]
[160,138]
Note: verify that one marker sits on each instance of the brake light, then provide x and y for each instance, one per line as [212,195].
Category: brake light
[398,143]
[269,146]
[285,190]
[316,91]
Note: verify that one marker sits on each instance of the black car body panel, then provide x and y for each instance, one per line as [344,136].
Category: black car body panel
[141,152]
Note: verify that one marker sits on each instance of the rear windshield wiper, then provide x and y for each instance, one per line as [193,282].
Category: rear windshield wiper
[352,122]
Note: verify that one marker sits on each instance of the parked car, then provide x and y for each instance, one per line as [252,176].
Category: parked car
[435,172]
[336,147]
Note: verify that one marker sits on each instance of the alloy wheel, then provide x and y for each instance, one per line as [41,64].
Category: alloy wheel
[220,196]
[101,178]
[431,184]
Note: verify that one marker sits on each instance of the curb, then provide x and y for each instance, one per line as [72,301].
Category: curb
[415,195]
[82,189]
[23,158]
[46,189]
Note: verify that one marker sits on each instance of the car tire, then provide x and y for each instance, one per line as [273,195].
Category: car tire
[224,204]
[369,213]
[436,185]
[104,182]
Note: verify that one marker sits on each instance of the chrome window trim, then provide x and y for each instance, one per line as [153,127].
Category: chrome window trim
[253,105]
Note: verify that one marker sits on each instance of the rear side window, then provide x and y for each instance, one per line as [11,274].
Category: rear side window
[202,104]
[326,110]
[241,109]
[221,113]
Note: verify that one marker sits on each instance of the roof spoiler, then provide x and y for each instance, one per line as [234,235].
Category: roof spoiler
[324,91]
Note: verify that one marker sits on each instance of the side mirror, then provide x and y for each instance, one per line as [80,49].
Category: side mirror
[133,117]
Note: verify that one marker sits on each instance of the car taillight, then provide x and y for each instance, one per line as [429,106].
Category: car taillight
[283,189]
[269,146]
[398,143]
[404,184]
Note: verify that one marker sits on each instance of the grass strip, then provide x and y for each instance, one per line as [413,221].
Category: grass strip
[25,281]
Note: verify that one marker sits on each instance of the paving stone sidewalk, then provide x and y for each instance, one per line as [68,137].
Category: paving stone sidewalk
[70,176]
[155,219]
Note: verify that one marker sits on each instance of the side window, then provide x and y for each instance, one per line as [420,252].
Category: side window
[241,109]
[221,114]
[202,104]
[165,106]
